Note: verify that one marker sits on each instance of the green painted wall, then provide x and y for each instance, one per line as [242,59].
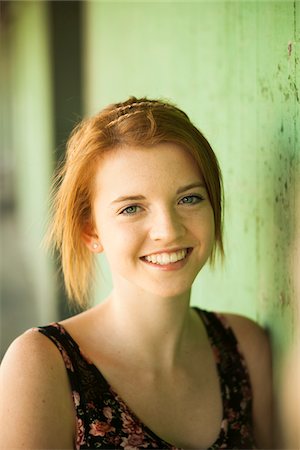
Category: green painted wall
[233,66]
[30,144]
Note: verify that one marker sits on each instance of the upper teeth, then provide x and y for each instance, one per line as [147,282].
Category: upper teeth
[167,258]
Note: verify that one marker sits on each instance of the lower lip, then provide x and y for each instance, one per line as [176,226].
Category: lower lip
[172,266]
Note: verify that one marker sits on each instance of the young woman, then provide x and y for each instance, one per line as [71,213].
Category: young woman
[143,369]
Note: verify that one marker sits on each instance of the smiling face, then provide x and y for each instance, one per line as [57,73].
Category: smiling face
[152,218]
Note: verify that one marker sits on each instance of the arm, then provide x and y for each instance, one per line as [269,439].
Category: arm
[254,345]
[36,410]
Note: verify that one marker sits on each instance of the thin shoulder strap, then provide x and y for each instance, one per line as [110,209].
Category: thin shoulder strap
[69,351]
[219,330]
[223,338]
[234,376]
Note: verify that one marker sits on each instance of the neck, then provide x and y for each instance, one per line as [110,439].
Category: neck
[154,328]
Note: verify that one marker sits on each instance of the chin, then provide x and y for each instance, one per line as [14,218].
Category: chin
[171,292]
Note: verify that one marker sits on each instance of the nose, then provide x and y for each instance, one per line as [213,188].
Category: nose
[166,225]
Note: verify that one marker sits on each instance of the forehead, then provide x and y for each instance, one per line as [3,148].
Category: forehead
[139,166]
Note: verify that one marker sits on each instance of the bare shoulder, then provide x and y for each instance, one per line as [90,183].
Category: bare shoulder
[254,344]
[35,396]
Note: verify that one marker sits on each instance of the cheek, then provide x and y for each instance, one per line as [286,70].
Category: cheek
[119,239]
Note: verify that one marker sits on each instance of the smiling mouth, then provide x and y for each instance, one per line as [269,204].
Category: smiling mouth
[165,258]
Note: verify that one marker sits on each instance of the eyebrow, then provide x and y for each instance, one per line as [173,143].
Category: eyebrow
[191,186]
[130,198]
[135,198]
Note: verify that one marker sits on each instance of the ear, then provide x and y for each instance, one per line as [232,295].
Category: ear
[90,238]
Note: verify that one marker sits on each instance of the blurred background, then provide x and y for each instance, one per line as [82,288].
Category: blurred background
[233,66]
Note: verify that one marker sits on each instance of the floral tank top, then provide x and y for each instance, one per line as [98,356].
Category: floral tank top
[104,420]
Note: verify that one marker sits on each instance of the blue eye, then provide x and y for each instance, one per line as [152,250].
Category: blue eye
[191,199]
[130,210]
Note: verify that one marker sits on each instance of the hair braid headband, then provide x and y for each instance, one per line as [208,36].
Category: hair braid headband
[124,111]
[122,116]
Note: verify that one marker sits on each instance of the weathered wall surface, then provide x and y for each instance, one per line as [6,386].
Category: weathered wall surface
[233,66]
